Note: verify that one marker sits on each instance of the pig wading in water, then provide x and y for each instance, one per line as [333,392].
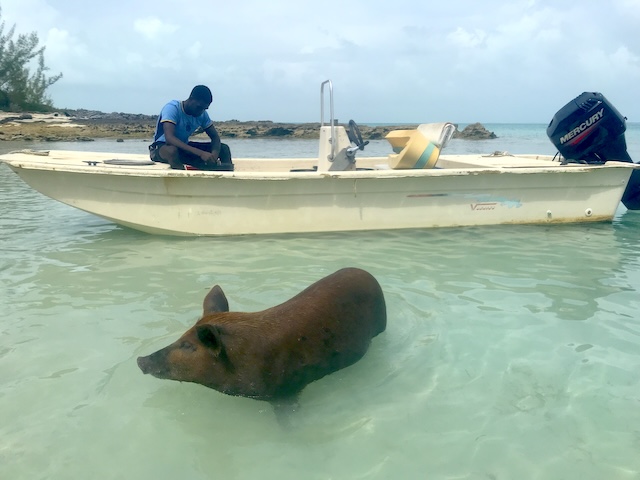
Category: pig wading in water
[273,354]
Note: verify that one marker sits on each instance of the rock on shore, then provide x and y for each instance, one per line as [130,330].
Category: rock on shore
[474,131]
[87,125]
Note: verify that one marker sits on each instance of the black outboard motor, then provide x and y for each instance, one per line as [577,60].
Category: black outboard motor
[589,129]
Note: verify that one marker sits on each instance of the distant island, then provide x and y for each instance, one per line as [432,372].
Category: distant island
[87,125]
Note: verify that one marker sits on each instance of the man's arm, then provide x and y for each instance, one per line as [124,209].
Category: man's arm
[215,140]
[170,136]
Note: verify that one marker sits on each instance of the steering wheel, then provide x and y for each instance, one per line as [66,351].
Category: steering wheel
[355,136]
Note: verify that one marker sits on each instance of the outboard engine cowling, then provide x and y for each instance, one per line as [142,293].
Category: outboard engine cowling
[589,129]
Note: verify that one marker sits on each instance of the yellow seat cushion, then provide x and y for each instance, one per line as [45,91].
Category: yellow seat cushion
[413,150]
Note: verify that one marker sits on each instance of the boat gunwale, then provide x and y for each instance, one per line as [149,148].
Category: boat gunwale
[152,171]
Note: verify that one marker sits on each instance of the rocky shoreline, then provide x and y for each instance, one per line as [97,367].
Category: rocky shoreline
[86,125]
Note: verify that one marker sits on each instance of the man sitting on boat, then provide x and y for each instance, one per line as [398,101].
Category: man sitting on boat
[177,122]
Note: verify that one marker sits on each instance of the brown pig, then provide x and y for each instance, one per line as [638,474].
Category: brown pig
[273,354]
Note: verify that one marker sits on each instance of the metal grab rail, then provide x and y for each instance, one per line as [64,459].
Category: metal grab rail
[333,133]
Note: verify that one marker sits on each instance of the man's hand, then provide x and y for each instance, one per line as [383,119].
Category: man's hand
[208,157]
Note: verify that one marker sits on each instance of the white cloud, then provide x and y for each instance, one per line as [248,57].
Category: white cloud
[194,51]
[153,28]
[624,61]
[60,43]
[628,7]
[618,62]
[67,54]
[134,58]
[287,73]
[466,39]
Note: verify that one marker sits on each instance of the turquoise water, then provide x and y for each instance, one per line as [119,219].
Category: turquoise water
[511,352]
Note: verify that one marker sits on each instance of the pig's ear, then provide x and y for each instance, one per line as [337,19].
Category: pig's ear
[215,301]
[209,335]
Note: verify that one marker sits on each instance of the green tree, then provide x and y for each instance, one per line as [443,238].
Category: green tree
[20,89]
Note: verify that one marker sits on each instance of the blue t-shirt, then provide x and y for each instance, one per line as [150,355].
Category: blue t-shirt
[185,124]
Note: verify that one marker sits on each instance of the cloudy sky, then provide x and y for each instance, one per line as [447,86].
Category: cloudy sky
[392,61]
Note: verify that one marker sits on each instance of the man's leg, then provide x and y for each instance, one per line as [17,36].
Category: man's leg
[163,153]
[225,154]
[225,157]
[194,160]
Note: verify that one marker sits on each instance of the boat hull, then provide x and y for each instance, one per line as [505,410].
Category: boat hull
[161,201]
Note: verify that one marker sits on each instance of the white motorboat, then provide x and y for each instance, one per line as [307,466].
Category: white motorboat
[413,187]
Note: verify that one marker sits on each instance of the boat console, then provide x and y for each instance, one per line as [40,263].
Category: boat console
[338,146]
[416,148]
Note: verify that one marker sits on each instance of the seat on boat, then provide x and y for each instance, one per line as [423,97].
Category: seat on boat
[419,148]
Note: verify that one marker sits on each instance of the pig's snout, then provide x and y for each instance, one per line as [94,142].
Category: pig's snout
[154,364]
[143,364]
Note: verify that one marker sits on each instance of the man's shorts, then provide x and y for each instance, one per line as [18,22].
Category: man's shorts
[193,160]
[154,152]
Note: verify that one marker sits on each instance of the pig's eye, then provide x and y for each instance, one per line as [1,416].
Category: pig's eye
[185,345]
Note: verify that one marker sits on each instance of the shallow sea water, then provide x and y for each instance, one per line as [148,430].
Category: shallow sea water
[510,352]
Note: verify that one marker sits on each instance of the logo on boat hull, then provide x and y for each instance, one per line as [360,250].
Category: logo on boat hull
[481,201]
[483,206]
